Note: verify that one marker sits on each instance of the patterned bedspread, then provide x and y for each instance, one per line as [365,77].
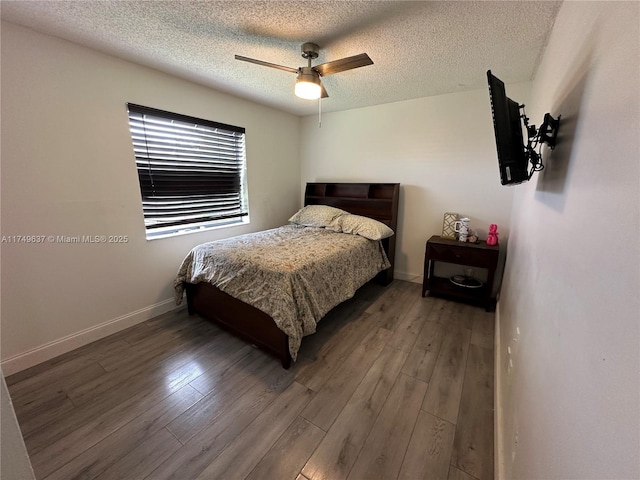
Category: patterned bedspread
[294,274]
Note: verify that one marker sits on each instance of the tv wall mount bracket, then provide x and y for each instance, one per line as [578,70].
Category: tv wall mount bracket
[547,134]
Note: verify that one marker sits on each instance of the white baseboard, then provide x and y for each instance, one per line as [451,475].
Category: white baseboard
[498,437]
[409,277]
[45,352]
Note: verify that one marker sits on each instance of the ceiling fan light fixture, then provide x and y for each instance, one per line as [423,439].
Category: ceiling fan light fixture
[308,84]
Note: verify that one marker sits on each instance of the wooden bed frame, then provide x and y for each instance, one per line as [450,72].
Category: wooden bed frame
[375,200]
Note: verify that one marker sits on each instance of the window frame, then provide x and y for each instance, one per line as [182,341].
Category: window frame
[191,171]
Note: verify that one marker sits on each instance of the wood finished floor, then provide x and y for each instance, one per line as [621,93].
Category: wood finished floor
[392,386]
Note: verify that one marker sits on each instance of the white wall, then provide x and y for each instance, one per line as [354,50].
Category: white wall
[440,149]
[14,460]
[572,284]
[68,169]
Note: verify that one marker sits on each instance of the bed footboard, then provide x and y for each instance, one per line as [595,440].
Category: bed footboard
[245,321]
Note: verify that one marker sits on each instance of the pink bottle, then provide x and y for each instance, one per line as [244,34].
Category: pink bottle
[492,236]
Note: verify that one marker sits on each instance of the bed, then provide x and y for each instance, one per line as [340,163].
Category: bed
[262,315]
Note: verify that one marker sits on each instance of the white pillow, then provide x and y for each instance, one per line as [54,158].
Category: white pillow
[363,226]
[316,215]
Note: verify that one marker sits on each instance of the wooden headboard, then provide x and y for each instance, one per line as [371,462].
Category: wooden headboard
[375,200]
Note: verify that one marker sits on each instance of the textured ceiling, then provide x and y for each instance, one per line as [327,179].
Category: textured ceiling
[419,49]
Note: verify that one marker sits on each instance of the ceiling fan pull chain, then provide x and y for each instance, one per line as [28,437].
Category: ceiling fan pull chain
[320,112]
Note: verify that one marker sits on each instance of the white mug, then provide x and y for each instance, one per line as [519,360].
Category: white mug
[461,227]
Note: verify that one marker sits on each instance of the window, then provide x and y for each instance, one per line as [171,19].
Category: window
[191,171]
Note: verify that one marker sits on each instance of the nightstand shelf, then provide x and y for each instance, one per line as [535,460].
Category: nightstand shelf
[478,255]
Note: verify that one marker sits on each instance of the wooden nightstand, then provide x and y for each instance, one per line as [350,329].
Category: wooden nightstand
[478,255]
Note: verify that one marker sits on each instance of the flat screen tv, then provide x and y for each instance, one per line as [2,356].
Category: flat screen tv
[513,157]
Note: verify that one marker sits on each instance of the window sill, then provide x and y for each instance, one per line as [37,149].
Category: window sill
[199,229]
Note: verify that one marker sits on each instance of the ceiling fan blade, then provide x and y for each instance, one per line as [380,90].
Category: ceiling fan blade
[343,64]
[266,64]
[323,92]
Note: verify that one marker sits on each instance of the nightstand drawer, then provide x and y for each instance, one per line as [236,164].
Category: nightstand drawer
[462,255]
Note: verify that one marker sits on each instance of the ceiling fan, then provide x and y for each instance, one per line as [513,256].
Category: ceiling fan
[308,84]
